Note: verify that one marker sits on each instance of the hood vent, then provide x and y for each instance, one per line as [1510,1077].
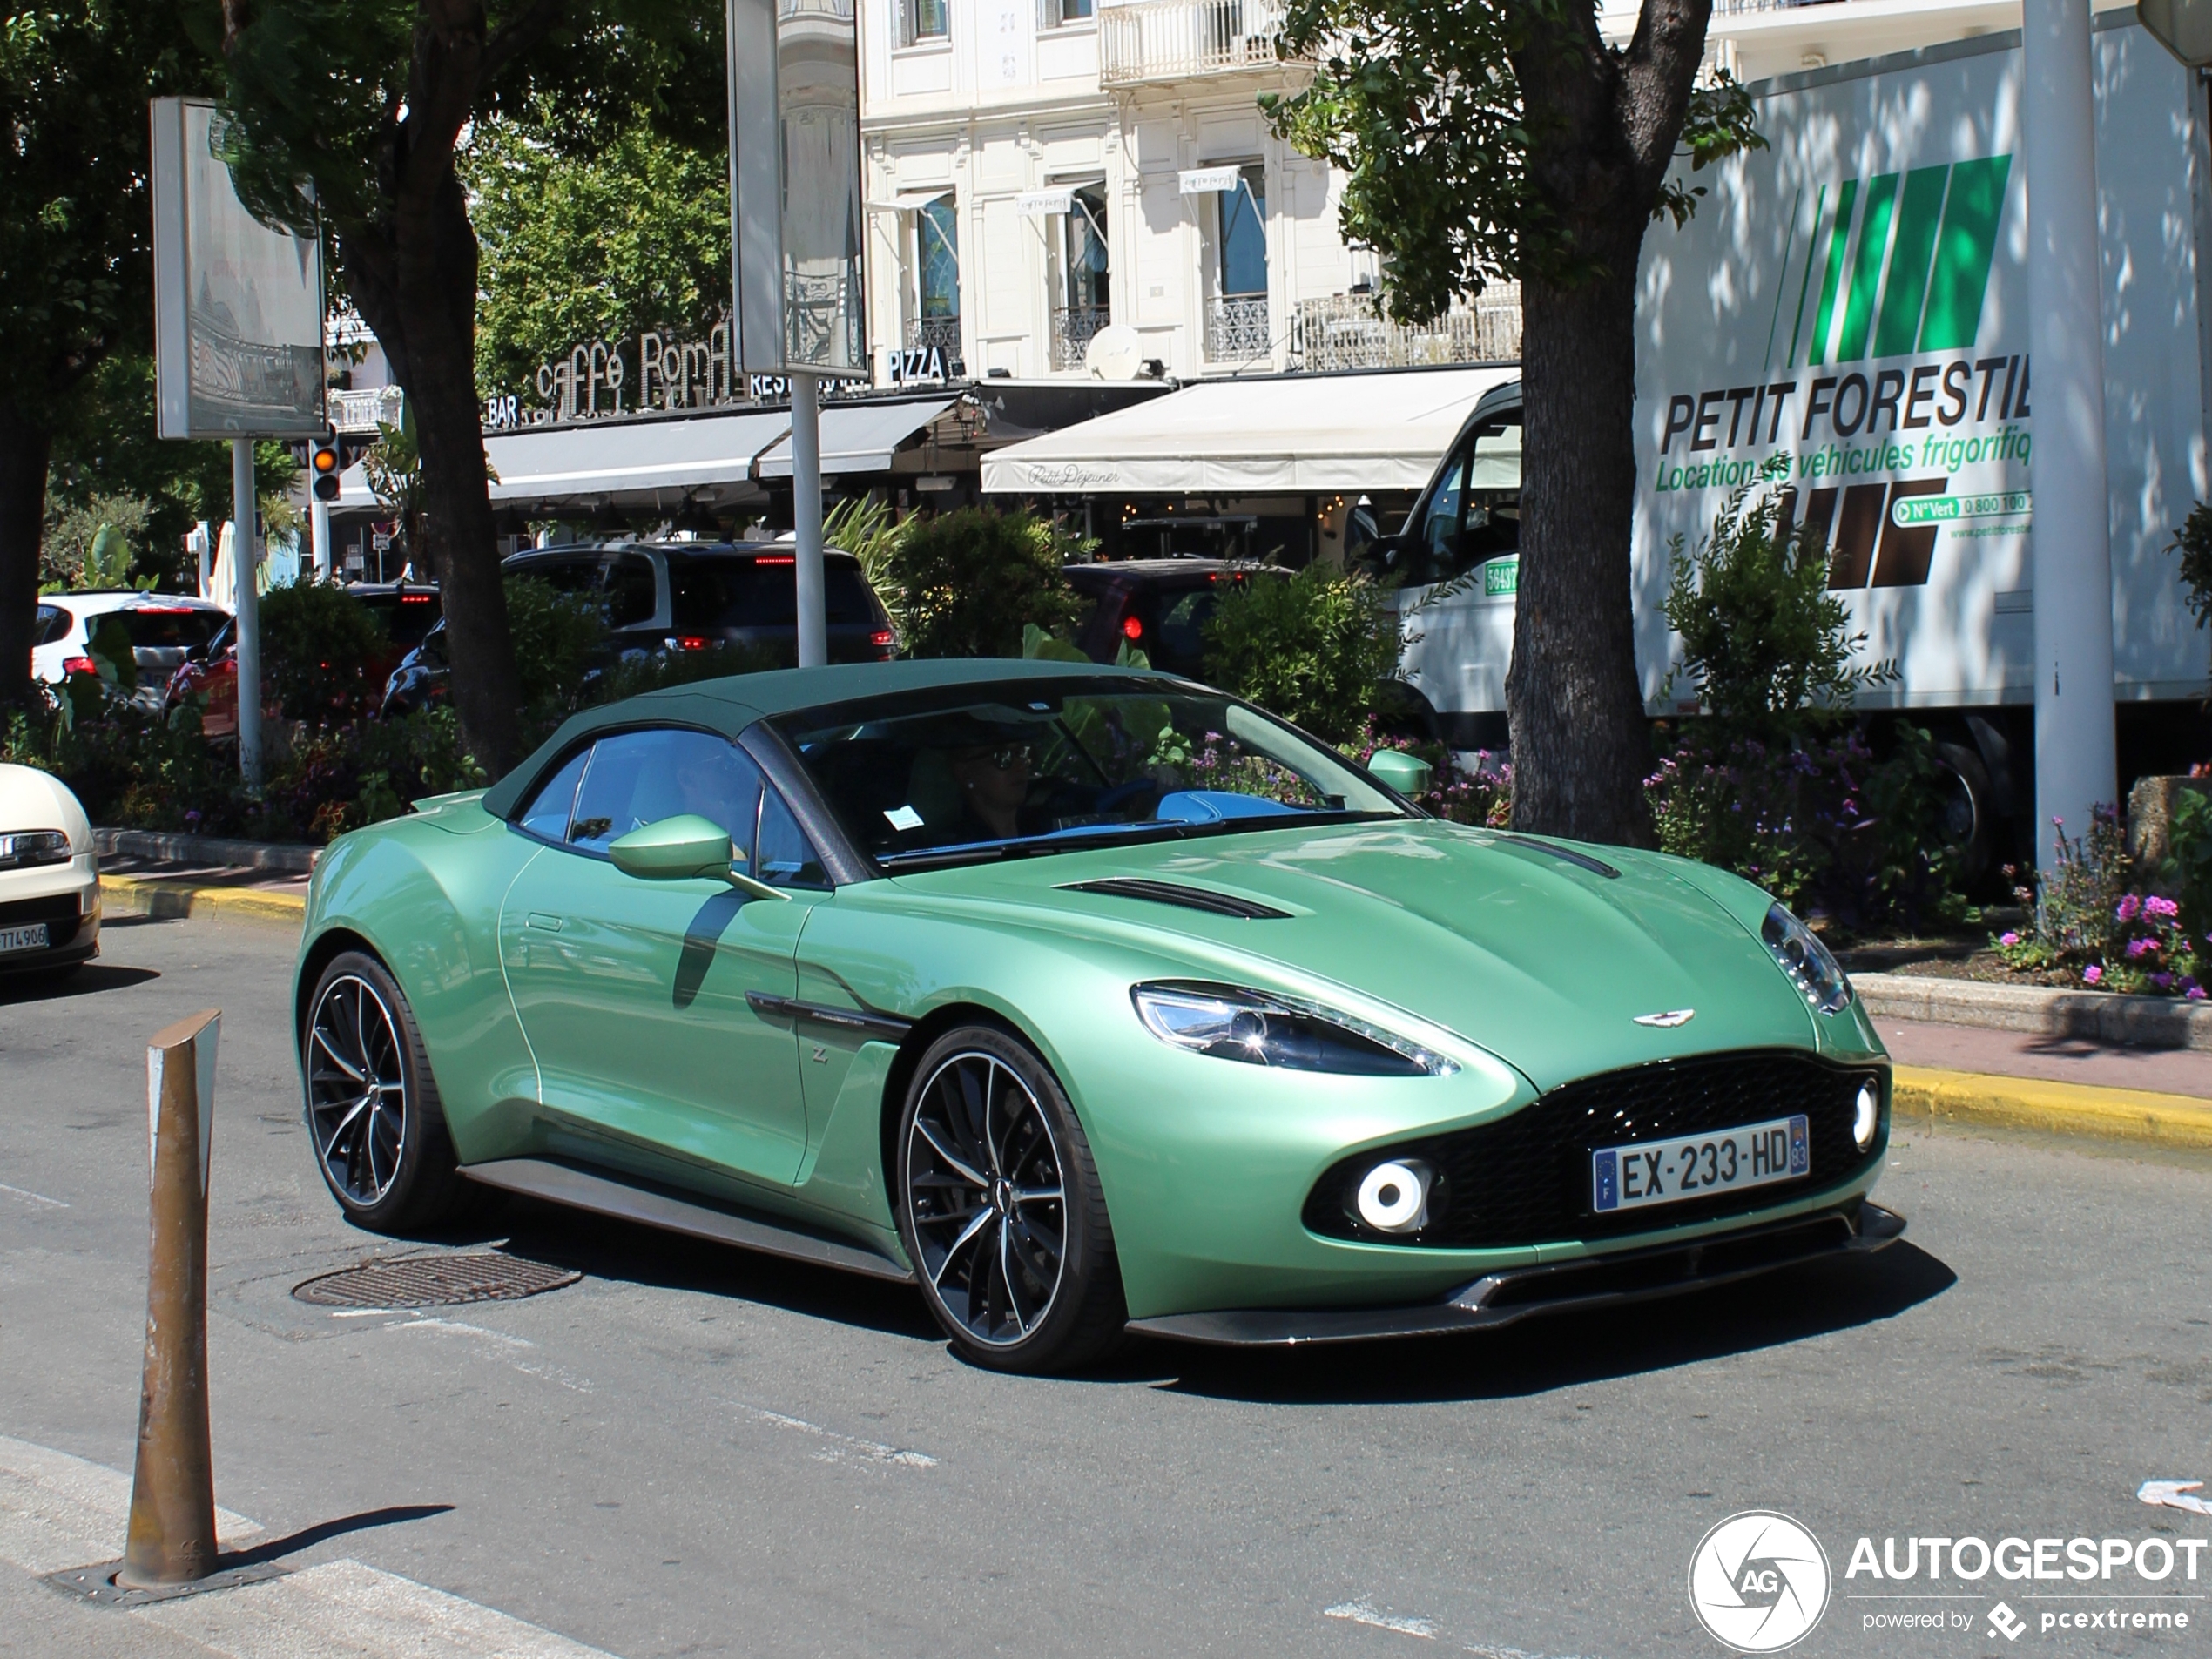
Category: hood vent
[1219,904]
[1595,866]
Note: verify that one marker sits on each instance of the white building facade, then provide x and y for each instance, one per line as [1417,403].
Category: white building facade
[1038,171]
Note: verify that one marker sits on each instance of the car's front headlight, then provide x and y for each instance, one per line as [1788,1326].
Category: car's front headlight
[1806,960]
[28,847]
[1262,1028]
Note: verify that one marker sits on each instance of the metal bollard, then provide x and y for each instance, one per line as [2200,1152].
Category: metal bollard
[172,1490]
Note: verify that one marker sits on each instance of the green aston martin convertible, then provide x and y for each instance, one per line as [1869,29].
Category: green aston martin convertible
[1087,1000]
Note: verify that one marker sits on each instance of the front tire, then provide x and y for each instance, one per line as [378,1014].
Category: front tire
[1000,1208]
[373,1111]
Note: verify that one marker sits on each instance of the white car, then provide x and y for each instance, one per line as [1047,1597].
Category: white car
[164,628]
[50,876]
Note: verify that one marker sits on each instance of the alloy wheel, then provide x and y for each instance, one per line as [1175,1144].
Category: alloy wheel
[983,1188]
[357,1103]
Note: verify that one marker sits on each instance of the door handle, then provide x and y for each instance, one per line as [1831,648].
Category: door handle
[549,924]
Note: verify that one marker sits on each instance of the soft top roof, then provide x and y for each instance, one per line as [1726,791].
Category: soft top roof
[730,705]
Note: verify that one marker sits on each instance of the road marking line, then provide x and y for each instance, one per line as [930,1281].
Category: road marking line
[34,1198]
[836,1446]
[1362,1613]
[546,1368]
[343,1608]
[58,1511]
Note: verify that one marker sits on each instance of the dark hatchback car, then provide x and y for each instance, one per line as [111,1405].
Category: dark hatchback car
[684,596]
[1158,606]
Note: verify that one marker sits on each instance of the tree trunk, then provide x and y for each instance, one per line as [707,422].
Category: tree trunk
[26,448]
[415,284]
[1581,744]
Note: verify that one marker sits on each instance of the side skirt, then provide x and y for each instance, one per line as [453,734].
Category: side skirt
[562,1184]
[1592,1281]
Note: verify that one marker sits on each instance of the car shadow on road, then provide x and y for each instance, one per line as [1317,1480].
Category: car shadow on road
[1558,1351]
[88,981]
[603,1247]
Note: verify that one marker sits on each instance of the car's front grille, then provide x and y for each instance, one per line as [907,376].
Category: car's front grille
[58,911]
[1525,1179]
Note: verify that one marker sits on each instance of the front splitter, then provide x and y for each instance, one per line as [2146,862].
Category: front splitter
[1591,1282]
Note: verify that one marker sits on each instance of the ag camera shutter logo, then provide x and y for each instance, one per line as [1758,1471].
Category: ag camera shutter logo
[1759,1582]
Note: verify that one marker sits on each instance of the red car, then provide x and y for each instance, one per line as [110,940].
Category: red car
[407,609]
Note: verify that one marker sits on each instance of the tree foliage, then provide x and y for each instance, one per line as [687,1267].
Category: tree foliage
[633,235]
[1313,648]
[345,116]
[1421,106]
[970,580]
[75,243]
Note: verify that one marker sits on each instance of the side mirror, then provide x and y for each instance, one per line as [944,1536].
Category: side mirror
[685,849]
[1406,774]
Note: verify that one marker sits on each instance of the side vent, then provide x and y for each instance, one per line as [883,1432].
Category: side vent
[1219,904]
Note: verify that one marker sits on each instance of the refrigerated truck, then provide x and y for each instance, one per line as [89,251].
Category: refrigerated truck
[1845,322]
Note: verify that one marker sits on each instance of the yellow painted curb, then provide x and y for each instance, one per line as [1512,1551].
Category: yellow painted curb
[2052,1108]
[149,897]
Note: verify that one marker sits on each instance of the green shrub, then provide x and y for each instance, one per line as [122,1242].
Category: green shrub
[2193,541]
[1314,649]
[556,638]
[870,531]
[1764,642]
[969,582]
[321,651]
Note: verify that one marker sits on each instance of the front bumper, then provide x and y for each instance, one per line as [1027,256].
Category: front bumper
[1501,1298]
[66,898]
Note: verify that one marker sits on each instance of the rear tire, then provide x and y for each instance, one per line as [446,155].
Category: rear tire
[372,1112]
[1000,1208]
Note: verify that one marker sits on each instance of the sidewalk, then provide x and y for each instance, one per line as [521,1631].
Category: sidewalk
[156,887]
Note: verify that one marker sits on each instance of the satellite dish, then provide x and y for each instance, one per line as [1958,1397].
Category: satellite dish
[1116,352]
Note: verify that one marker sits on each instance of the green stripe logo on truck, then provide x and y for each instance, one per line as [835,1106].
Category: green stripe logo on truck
[1915,275]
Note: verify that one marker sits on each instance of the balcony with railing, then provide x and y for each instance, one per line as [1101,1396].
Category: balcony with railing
[1073,330]
[1350,331]
[1180,40]
[1237,329]
[938,333]
[357,414]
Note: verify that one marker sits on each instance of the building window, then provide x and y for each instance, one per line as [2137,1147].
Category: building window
[1083,304]
[1054,14]
[923,20]
[1237,322]
[935,318]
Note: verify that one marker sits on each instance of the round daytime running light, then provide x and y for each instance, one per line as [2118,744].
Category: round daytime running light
[1867,1116]
[1806,960]
[1262,1028]
[1394,1196]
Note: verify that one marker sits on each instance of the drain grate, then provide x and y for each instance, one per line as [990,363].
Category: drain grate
[433,1281]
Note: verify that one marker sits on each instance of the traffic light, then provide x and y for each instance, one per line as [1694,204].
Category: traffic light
[322,462]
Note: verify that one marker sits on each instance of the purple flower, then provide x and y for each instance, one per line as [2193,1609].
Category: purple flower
[2092,974]
[2192,991]
[2138,947]
[2130,908]
[2155,906]
[2008,939]
[2163,982]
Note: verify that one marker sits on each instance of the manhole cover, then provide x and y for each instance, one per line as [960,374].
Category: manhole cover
[433,1281]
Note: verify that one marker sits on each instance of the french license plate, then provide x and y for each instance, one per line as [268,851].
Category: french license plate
[1628,1177]
[31,936]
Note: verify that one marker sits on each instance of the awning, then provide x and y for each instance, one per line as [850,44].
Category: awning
[1278,434]
[858,438]
[649,458]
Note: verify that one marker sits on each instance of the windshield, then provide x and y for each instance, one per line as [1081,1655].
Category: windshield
[1029,766]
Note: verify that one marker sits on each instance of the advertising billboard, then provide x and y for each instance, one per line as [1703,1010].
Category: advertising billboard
[238,307]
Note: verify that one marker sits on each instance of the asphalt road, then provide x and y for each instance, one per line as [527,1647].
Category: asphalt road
[694,1451]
